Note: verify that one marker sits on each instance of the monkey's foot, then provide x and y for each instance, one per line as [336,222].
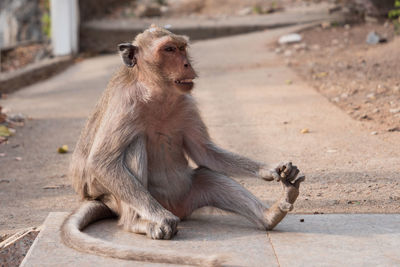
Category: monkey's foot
[290,184]
[164,230]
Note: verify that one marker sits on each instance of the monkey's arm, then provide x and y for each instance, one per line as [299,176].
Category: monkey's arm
[118,137]
[199,147]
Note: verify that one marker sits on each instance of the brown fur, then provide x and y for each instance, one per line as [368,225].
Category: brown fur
[132,157]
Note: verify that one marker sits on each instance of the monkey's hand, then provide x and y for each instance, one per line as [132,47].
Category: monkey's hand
[268,174]
[286,171]
[164,227]
[283,170]
[290,185]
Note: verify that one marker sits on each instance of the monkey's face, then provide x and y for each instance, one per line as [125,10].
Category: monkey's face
[164,55]
[175,65]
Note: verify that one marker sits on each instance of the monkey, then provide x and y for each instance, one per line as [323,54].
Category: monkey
[132,158]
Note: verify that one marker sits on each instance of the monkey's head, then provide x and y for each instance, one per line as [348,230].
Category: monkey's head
[162,55]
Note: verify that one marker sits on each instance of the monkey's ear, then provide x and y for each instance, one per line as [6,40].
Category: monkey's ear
[128,52]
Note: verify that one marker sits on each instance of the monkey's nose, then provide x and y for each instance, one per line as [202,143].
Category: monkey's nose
[186,65]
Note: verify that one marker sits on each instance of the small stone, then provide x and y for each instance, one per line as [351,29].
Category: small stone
[365,117]
[381,89]
[288,53]
[278,50]
[290,38]
[164,9]
[245,11]
[18,158]
[305,131]
[373,38]
[394,129]
[63,149]
[3,139]
[347,27]
[394,110]
[344,95]
[376,110]
[331,151]
[321,74]
[5,181]
[12,131]
[325,25]
[371,96]
[396,89]
[17,117]
[315,47]
[300,46]
[143,10]
[374,133]
[335,42]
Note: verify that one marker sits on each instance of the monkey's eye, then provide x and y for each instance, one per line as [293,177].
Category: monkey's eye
[182,48]
[170,49]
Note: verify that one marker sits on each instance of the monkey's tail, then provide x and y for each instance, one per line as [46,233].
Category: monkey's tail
[91,211]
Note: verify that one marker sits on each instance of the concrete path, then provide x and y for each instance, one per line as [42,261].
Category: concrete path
[300,240]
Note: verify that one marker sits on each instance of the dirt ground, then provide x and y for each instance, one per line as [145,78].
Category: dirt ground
[23,56]
[206,8]
[360,78]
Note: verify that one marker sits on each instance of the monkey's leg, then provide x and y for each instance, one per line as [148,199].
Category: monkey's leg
[210,188]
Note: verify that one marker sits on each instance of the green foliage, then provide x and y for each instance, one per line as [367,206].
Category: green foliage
[395,12]
[46,19]
[161,2]
[335,24]
[46,24]
[257,9]
[394,15]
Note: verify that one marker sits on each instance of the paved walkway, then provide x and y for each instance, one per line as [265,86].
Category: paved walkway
[300,240]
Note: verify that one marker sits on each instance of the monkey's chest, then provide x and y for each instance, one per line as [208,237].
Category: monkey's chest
[164,147]
[168,170]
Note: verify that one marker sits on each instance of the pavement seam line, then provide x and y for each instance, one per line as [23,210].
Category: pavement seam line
[273,248]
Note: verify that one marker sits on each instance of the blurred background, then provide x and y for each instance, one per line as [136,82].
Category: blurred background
[25,25]
[39,38]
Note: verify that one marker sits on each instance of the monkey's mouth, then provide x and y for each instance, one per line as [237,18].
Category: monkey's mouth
[185,81]
[185,85]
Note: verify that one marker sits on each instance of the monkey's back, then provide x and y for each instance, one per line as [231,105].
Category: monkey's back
[78,172]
